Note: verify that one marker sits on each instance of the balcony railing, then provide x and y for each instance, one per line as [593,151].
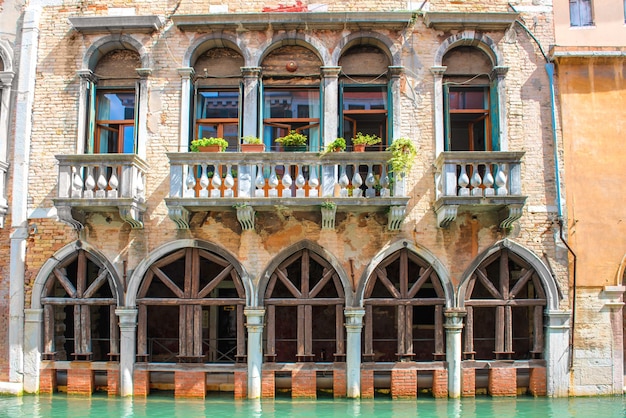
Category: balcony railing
[100,183]
[249,182]
[477,181]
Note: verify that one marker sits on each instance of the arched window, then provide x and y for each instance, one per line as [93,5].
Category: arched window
[79,303]
[291,95]
[217,89]
[305,300]
[190,306]
[364,100]
[505,301]
[404,302]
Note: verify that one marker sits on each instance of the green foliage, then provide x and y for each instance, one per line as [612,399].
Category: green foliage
[329,205]
[403,153]
[337,144]
[292,138]
[205,142]
[249,139]
[361,138]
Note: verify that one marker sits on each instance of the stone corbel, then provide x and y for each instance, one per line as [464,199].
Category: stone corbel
[73,217]
[396,216]
[613,296]
[328,217]
[446,214]
[132,215]
[245,216]
[179,215]
[510,214]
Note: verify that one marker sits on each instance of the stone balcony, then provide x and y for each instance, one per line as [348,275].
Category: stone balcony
[101,183]
[477,181]
[245,183]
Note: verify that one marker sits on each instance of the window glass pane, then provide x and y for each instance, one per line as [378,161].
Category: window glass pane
[218,104]
[581,12]
[116,106]
[365,98]
[468,119]
[364,110]
[286,109]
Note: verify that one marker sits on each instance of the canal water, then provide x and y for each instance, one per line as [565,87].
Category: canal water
[61,405]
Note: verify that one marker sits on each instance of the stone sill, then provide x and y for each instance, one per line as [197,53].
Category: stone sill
[480,21]
[116,24]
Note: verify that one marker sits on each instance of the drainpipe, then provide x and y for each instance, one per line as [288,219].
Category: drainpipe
[19,204]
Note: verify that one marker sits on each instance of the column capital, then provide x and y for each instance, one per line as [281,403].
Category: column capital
[500,71]
[6,78]
[33,315]
[251,72]
[87,75]
[613,296]
[144,72]
[354,319]
[186,72]
[128,317]
[330,71]
[454,318]
[438,70]
[254,318]
[558,320]
[396,70]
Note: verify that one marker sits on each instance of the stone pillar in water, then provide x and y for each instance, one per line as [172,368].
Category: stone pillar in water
[454,326]
[254,324]
[128,332]
[354,325]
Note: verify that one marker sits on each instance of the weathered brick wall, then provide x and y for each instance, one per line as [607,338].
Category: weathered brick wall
[340,388]
[303,383]
[537,385]
[367,384]
[440,384]
[468,382]
[403,383]
[503,381]
[189,384]
[80,379]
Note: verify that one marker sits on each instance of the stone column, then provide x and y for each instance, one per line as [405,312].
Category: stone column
[87,78]
[6,79]
[454,348]
[438,72]
[558,352]
[251,76]
[33,319]
[185,105]
[500,73]
[613,297]
[254,324]
[142,109]
[128,329]
[354,325]
[330,132]
[396,72]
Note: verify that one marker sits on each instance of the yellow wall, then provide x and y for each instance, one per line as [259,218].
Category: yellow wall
[608,30]
[593,98]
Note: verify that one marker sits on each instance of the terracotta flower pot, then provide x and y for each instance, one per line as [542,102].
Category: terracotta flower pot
[358,147]
[252,147]
[210,148]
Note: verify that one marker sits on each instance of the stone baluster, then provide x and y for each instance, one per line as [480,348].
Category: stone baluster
[190,183]
[273,183]
[370,182]
[90,184]
[102,183]
[488,181]
[476,181]
[229,182]
[300,182]
[216,183]
[287,181]
[204,182]
[314,182]
[259,182]
[357,182]
[501,181]
[463,181]
[384,183]
[343,182]
[114,184]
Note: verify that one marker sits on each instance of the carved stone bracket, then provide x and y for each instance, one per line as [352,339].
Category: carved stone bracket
[132,215]
[446,214]
[73,217]
[245,216]
[510,214]
[328,217]
[396,216]
[179,215]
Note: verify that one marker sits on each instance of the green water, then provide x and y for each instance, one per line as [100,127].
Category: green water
[64,406]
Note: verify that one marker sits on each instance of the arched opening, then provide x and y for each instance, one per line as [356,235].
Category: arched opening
[190,309]
[304,301]
[505,302]
[404,301]
[79,301]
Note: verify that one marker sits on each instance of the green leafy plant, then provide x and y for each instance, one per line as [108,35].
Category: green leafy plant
[329,205]
[403,153]
[367,139]
[249,139]
[337,145]
[292,138]
[205,142]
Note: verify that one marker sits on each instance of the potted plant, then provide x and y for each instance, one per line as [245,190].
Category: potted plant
[209,145]
[403,153]
[361,140]
[251,143]
[293,141]
[338,145]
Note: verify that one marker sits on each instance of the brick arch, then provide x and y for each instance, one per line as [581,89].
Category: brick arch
[383,42]
[289,38]
[138,274]
[206,42]
[113,42]
[470,38]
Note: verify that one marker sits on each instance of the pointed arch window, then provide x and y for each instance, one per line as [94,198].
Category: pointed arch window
[79,311]
[190,307]
[505,301]
[305,300]
[404,302]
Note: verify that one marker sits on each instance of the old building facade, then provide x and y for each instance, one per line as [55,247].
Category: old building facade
[136,265]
